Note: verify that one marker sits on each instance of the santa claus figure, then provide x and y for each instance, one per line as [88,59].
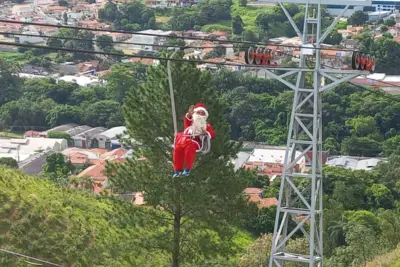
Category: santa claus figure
[189,141]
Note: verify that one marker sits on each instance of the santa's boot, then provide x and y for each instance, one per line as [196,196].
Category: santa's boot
[186,172]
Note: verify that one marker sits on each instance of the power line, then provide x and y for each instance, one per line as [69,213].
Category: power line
[137,56]
[163,58]
[171,36]
[103,41]
[28,257]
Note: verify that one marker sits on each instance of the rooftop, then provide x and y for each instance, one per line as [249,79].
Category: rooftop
[22,149]
[62,128]
[89,133]
[274,155]
[78,130]
[113,132]
[354,163]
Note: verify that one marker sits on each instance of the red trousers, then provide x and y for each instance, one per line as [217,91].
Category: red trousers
[184,152]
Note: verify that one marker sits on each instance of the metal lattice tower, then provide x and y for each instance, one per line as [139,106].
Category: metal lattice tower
[304,205]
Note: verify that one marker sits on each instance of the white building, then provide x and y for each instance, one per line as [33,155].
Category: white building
[377,15]
[21,10]
[109,139]
[21,149]
[29,39]
[377,5]
[143,41]
[81,80]
[354,163]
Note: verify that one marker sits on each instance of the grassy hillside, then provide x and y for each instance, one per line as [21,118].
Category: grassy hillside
[390,259]
[71,227]
[248,14]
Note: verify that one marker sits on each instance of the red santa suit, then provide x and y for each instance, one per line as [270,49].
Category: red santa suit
[186,145]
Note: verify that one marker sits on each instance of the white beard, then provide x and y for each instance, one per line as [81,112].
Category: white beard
[199,124]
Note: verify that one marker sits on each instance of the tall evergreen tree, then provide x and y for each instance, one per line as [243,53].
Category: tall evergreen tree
[211,197]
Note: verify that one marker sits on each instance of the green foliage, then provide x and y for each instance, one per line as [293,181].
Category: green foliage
[386,50]
[10,83]
[131,16]
[237,25]
[358,18]
[390,22]
[72,228]
[196,16]
[9,162]
[104,42]
[85,43]
[56,134]
[57,169]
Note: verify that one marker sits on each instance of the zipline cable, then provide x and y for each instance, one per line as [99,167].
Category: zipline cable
[160,58]
[29,257]
[138,56]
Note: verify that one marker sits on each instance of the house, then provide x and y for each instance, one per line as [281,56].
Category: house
[29,39]
[350,31]
[85,139]
[93,24]
[55,10]
[81,80]
[354,163]
[310,155]
[350,43]
[98,175]
[31,133]
[43,2]
[66,68]
[116,36]
[255,195]
[33,165]
[269,161]
[109,139]
[22,149]
[78,129]
[377,15]
[240,160]
[91,66]
[21,10]
[144,42]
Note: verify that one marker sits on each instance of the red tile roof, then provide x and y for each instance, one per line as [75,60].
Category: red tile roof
[32,133]
[254,196]
[253,190]
[97,171]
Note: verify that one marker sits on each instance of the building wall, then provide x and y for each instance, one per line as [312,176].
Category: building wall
[22,9]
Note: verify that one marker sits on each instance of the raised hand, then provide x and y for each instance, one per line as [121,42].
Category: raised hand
[191,111]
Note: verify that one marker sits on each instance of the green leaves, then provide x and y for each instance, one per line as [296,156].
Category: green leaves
[70,227]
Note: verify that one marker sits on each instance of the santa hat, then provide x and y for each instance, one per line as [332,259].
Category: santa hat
[200,106]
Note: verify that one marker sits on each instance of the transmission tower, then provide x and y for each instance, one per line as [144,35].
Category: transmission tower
[301,201]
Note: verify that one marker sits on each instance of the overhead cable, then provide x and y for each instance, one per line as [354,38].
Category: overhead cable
[138,56]
[103,41]
[173,36]
[28,257]
[172,59]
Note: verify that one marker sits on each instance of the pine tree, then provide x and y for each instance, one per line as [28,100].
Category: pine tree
[201,209]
